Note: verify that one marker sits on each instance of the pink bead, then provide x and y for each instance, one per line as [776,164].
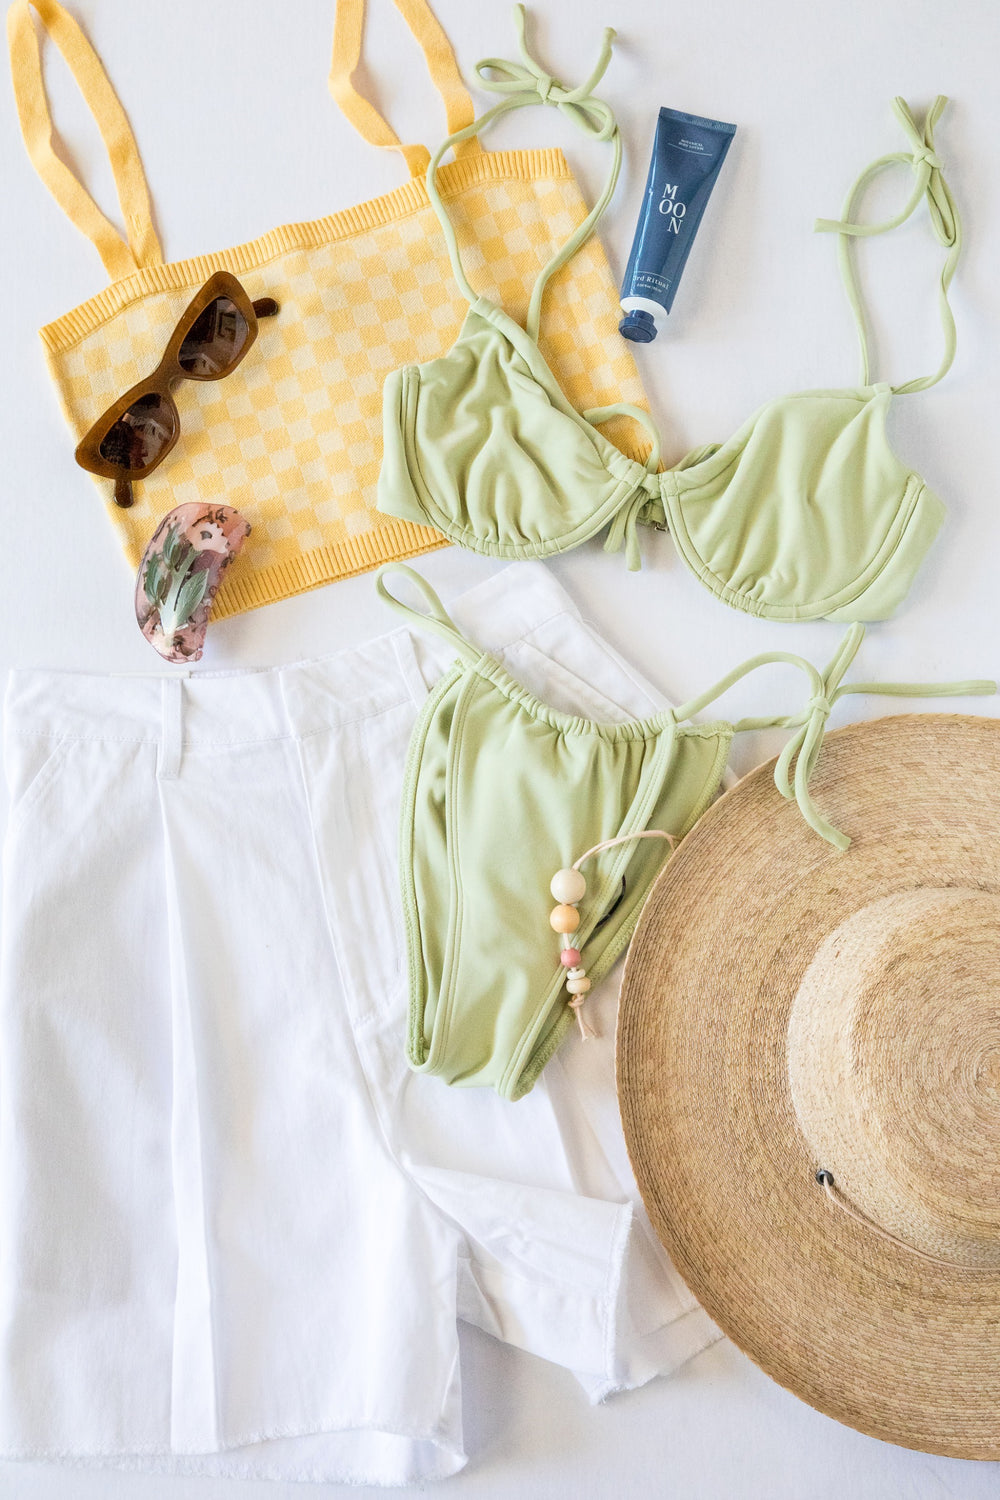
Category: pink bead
[570,957]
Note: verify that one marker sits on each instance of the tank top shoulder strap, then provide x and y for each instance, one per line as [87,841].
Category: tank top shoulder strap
[521,84]
[435,619]
[121,257]
[348,32]
[930,184]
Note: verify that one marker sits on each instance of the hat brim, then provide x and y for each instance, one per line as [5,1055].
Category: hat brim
[869,1333]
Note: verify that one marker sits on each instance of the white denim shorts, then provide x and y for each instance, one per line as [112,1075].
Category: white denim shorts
[236,1232]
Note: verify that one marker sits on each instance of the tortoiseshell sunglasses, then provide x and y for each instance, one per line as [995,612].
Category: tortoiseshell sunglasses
[214,333]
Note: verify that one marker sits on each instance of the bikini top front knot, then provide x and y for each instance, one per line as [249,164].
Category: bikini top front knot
[805,512]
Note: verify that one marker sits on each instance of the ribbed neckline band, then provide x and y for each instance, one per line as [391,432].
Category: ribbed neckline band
[409,198]
[321,565]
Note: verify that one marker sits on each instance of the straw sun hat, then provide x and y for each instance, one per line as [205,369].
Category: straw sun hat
[788,1011]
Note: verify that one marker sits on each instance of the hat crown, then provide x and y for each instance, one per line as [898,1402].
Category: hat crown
[894,1067]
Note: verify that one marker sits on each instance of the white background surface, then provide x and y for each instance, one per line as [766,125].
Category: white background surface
[238,133]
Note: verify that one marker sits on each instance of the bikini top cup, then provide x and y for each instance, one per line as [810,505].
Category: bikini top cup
[501,791]
[294,438]
[805,512]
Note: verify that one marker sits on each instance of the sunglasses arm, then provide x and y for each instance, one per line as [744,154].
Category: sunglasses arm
[265,307]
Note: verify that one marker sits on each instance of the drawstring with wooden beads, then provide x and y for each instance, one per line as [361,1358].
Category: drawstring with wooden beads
[569,887]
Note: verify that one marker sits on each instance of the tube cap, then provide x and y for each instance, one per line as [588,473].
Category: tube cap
[639,327]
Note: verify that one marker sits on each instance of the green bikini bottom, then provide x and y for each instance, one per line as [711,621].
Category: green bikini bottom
[502,791]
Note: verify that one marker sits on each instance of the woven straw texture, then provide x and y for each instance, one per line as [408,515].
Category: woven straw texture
[787,1008]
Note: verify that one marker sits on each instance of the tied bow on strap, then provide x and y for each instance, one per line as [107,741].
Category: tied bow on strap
[520,84]
[804,746]
[930,184]
[930,181]
[810,726]
[526,83]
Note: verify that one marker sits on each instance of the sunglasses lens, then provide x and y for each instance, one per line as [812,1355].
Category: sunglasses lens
[215,341]
[140,436]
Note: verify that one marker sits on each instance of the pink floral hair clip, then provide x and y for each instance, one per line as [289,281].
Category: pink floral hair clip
[180,573]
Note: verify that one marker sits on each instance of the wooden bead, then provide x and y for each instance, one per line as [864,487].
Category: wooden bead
[564,918]
[576,973]
[578,986]
[568,886]
[569,957]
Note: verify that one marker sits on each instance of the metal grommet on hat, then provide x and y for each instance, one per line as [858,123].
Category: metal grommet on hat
[809,1074]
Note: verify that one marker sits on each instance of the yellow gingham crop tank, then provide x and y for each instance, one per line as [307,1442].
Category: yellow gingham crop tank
[293,438]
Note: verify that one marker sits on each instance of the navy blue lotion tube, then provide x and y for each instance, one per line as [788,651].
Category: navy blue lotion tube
[688,152]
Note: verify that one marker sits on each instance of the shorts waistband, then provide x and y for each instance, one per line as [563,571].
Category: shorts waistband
[250,705]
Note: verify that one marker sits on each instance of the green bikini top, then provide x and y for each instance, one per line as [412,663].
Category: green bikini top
[805,512]
[501,791]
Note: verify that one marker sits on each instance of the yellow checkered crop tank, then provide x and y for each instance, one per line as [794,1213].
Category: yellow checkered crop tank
[293,438]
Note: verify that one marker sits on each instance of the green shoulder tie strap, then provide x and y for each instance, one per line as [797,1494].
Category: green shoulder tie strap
[437,617]
[810,723]
[525,83]
[930,184]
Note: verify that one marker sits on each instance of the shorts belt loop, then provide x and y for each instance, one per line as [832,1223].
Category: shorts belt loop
[168,763]
[409,666]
